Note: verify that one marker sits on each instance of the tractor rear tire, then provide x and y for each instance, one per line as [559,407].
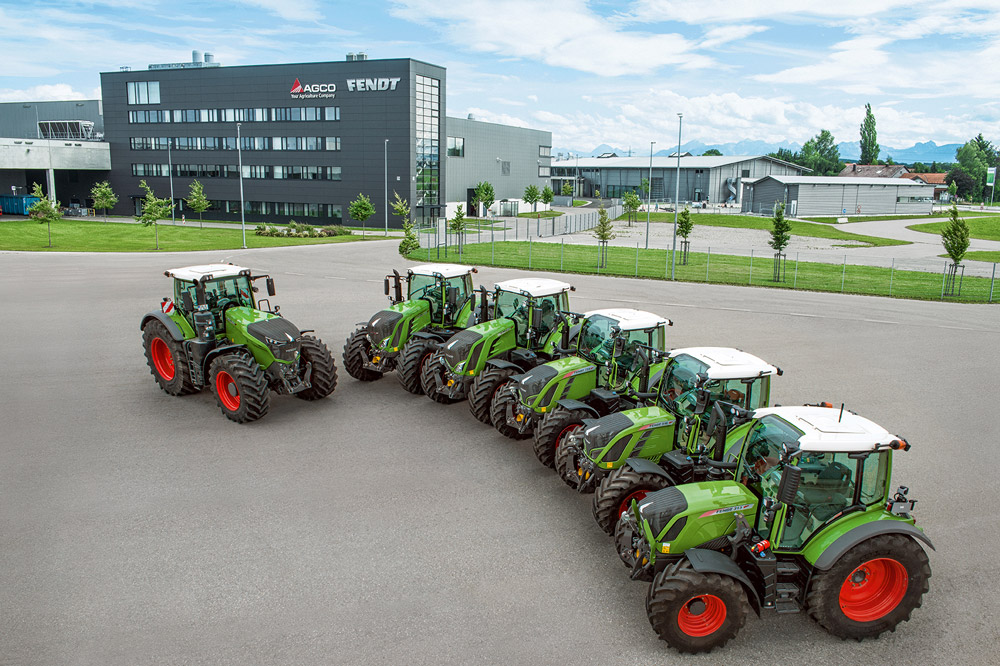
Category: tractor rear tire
[354,359]
[553,429]
[411,362]
[484,390]
[617,490]
[240,387]
[498,412]
[166,359]
[434,368]
[695,612]
[871,589]
[324,369]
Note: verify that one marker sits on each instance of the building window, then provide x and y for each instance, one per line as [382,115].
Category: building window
[427,98]
[331,113]
[504,168]
[544,172]
[545,151]
[456,146]
[745,173]
[333,143]
[143,92]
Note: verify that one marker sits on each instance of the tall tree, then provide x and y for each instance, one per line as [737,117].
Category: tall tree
[44,210]
[361,209]
[869,138]
[963,182]
[401,208]
[785,155]
[104,197]
[974,161]
[955,236]
[712,152]
[485,195]
[821,154]
[153,210]
[197,201]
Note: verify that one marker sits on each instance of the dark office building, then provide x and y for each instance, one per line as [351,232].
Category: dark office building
[311,137]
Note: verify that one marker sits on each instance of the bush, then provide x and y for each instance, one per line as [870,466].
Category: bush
[298,230]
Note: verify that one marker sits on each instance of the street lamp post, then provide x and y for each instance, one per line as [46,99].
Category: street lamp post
[386,181]
[649,192]
[677,196]
[239,153]
[170,172]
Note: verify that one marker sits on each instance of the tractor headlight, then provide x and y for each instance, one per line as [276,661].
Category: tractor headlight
[385,343]
[460,367]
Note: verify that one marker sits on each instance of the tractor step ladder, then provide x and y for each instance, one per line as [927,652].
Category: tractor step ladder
[787,598]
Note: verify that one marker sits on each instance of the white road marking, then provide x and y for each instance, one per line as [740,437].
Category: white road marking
[801,314]
[290,273]
[880,321]
[334,277]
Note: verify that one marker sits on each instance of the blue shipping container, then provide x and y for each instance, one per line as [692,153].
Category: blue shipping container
[16,205]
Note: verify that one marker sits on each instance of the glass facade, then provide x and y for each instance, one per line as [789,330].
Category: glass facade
[427,98]
[257,171]
[257,115]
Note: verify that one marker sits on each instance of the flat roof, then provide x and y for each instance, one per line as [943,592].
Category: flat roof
[631,320]
[535,287]
[663,162]
[826,429]
[446,270]
[193,273]
[728,362]
[840,180]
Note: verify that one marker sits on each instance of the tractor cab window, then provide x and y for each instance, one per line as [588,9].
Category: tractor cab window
[759,392]
[733,391]
[428,288]
[515,307]
[595,342]
[550,307]
[682,375]
[827,489]
[873,478]
[628,360]
[219,294]
[463,289]
[759,470]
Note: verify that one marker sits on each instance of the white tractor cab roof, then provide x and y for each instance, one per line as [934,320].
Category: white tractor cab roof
[728,363]
[445,270]
[535,287]
[213,271]
[832,429]
[631,320]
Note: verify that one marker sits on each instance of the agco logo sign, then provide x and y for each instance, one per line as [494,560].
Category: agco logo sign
[313,90]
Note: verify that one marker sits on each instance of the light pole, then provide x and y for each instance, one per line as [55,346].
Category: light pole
[649,193]
[170,172]
[386,181]
[239,153]
[677,196]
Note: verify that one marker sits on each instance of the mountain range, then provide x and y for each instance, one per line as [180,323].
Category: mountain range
[925,152]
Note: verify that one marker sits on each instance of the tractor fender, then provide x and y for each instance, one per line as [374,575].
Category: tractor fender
[170,324]
[500,363]
[643,466]
[566,403]
[428,335]
[215,353]
[864,532]
[712,561]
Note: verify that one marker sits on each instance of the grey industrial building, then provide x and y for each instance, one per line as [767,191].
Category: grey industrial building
[716,179]
[837,195]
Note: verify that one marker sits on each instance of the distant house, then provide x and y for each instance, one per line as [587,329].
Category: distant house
[873,171]
[830,195]
[935,179]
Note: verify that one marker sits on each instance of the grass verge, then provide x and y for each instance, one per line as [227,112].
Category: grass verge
[542,213]
[984,228]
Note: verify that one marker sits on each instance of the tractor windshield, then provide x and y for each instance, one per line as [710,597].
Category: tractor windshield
[219,294]
[682,376]
[738,392]
[595,339]
[515,307]
[434,290]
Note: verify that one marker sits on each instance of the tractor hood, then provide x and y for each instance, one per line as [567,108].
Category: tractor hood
[691,515]
[385,323]
[545,376]
[617,430]
[459,346]
[278,334]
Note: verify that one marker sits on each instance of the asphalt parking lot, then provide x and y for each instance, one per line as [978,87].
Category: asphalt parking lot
[377,527]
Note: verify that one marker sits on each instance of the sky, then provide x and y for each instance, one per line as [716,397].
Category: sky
[590,72]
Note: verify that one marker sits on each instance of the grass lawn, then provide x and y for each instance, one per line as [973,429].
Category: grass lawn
[714,268]
[992,257]
[75,235]
[541,213]
[809,229]
[577,203]
[984,228]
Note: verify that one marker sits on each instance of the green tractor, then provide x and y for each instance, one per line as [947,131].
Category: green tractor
[530,326]
[801,517]
[616,363]
[214,333]
[440,301]
[625,455]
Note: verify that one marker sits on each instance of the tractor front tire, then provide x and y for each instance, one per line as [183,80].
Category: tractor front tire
[324,369]
[432,373]
[553,429]
[355,348]
[504,396]
[871,589]
[695,612]
[568,468]
[484,390]
[617,490]
[166,359]
[411,363]
[240,388]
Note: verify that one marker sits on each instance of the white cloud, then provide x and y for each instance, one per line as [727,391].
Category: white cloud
[44,93]
[290,10]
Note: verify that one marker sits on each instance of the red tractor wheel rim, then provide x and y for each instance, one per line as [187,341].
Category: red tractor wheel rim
[564,433]
[873,590]
[163,360]
[627,502]
[702,615]
[228,392]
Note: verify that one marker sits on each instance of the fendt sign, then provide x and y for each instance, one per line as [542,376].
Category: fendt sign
[372,84]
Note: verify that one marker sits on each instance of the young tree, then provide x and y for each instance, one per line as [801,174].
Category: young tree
[955,236]
[684,223]
[869,138]
[532,196]
[547,195]
[457,225]
[603,232]
[484,195]
[104,197]
[630,204]
[401,208]
[952,190]
[644,188]
[153,209]
[44,210]
[779,229]
[197,201]
[361,209]
[567,189]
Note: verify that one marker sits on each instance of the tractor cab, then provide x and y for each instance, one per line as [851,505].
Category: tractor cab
[214,288]
[534,305]
[618,339]
[446,288]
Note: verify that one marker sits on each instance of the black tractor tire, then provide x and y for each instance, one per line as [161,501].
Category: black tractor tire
[431,369]
[618,489]
[484,389]
[166,359]
[624,533]
[568,469]
[553,428]
[695,612]
[871,589]
[498,412]
[411,362]
[243,395]
[324,369]
[354,359]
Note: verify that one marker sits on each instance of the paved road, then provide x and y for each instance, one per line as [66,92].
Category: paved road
[377,527]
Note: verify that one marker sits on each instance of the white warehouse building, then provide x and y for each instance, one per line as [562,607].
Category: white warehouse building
[834,195]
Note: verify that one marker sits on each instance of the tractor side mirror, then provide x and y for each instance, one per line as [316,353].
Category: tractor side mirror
[187,301]
[791,477]
[270,286]
[451,295]
[386,285]
[702,378]
[536,317]
[701,401]
[619,347]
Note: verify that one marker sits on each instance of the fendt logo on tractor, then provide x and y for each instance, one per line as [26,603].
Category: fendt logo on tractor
[313,90]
